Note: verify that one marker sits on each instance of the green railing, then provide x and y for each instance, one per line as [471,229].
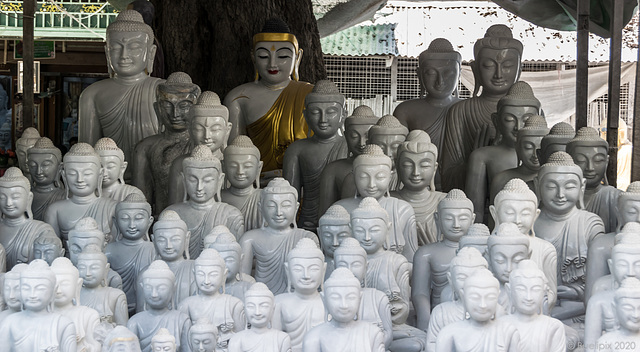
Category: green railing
[59,20]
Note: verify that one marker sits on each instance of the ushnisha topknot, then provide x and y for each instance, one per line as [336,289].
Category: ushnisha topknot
[120,334]
[203,326]
[226,242]
[341,277]
[39,269]
[13,177]
[86,227]
[158,269]
[629,288]
[210,257]
[350,246]
[209,105]
[439,49]
[389,124]
[242,145]
[163,335]
[44,145]
[630,234]
[369,208]
[468,256]
[62,265]
[632,193]
[508,234]
[169,219]
[92,251]
[335,215]
[535,125]
[16,271]
[527,269]
[371,155]
[362,115]
[587,136]
[82,152]
[516,189]
[305,248]
[107,147]
[497,36]
[482,277]
[560,162]
[324,91]
[134,201]
[259,289]
[130,21]
[178,82]
[478,230]
[418,141]
[202,158]
[560,133]
[455,199]
[520,94]
[477,235]
[278,185]
[29,133]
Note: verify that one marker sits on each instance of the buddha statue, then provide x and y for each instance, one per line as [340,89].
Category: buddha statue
[388,133]
[476,237]
[111,303]
[344,331]
[569,228]
[517,204]
[269,109]
[236,283]
[28,139]
[627,304]
[171,239]
[82,174]
[481,331]
[163,341]
[18,229]
[37,327]
[121,107]
[224,311]
[132,251]
[45,163]
[304,160]
[527,289]
[298,311]
[5,136]
[121,339]
[629,235]
[154,155]
[465,264]
[157,284]
[518,106]
[496,68]
[67,303]
[203,336]
[11,291]
[417,164]
[431,262]
[259,306]
[527,144]
[202,209]
[333,228]
[114,166]
[241,167]
[374,304]
[356,135]
[48,248]
[209,126]
[590,152]
[271,243]
[438,74]
[371,175]
[507,247]
[556,141]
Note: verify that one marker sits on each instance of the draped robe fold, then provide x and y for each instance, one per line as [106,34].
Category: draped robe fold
[359,336]
[221,310]
[251,211]
[543,334]
[442,315]
[248,341]
[129,269]
[426,224]
[19,248]
[102,210]
[375,309]
[42,336]
[41,201]
[107,301]
[389,272]
[310,313]
[604,204]
[123,191]
[498,337]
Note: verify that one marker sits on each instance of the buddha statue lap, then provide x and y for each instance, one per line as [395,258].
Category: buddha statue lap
[45,164]
[114,166]
[236,283]
[26,141]
[556,141]
[121,339]
[627,304]
[333,228]
[48,248]
[203,336]
[11,291]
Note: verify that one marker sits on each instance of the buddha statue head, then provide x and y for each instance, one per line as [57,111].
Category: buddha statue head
[497,63]
[45,163]
[527,288]
[203,336]
[439,69]
[466,262]
[211,237]
[112,159]
[48,248]
[305,267]
[370,225]
[242,164]
[627,305]
[259,305]
[210,272]
[174,99]
[630,233]
[480,295]
[357,129]
[333,228]
[276,55]
[209,122]
[11,287]
[454,215]
[591,153]
[476,237]
[83,234]
[29,137]
[129,48]
[69,282]
[556,141]
[163,341]
[372,172]
[279,204]
[121,339]
[388,133]
[37,287]
[352,256]
[15,195]
[82,171]
[507,247]
[513,110]
[171,237]
[560,185]
[5,135]
[528,142]
[324,109]
[341,296]
[93,267]
[628,206]
[230,252]
[625,261]
[133,218]
[203,176]
[416,162]
[517,204]
[157,284]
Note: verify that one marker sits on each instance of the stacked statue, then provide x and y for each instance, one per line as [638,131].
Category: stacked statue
[114,166]
[45,164]
[28,139]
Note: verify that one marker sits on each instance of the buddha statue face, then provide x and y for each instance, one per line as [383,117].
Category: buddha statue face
[5,136]
[157,292]
[357,136]
[232,260]
[44,168]
[209,278]
[628,313]
[275,61]
[527,294]
[371,233]
[202,184]
[454,222]
[629,211]
[170,243]
[14,201]
[241,169]
[36,293]
[279,210]
[173,110]
[458,274]
[132,223]
[93,271]
[68,288]
[624,263]
[203,341]
[331,236]
[526,149]
[372,180]
[521,212]
[497,69]
[22,146]
[324,117]
[11,293]
[510,119]
[259,310]
[305,274]
[212,131]
[78,242]
[560,192]
[47,252]
[342,302]
[163,346]
[114,168]
[388,142]
[504,258]
[416,170]
[593,161]
[357,264]
[439,77]
[129,53]
[481,300]
[82,178]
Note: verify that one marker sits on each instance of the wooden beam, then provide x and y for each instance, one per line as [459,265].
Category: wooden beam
[29,10]
[613,106]
[582,66]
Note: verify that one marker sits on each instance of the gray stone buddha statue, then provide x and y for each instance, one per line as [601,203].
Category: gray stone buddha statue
[48,248]
[333,228]
[388,133]
[114,166]
[27,140]
[556,141]
[45,164]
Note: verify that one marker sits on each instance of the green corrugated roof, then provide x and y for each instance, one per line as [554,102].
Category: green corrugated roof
[362,41]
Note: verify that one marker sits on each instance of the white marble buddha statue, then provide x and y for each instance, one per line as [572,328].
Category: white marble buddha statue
[163,341]
[333,228]
[236,283]
[121,339]
[476,237]
[203,336]
[45,164]
[627,304]
[26,141]
[388,133]
[114,165]
[11,291]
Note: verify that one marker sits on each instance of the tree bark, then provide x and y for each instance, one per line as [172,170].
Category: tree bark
[211,40]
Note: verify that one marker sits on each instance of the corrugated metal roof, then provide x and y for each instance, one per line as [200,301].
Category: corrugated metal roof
[376,39]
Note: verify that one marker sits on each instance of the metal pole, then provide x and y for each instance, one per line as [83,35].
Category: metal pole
[582,65]
[613,107]
[29,9]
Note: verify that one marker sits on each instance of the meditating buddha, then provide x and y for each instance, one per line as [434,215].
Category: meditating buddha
[45,164]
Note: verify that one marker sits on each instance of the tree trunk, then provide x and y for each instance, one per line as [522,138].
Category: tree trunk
[212,40]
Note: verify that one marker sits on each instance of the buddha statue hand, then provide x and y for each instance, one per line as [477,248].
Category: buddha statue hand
[568,293]
[483,137]
[227,327]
